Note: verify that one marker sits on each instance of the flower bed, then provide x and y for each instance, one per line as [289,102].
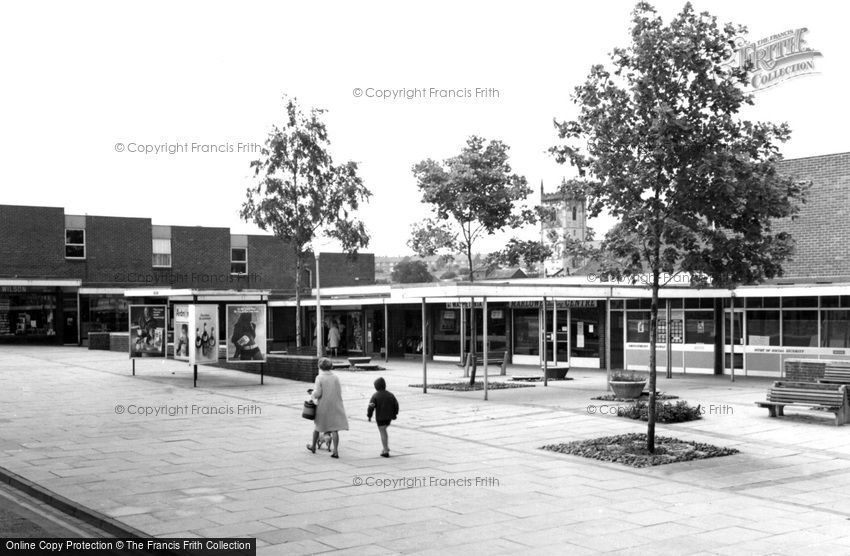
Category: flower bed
[644,397]
[679,412]
[630,449]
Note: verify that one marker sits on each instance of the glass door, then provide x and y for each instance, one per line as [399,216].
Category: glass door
[733,334]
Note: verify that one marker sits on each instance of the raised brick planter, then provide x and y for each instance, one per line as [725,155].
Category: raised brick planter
[119,341]
[303,368]
[99,340]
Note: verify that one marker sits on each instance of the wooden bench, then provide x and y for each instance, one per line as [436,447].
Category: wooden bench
[824,397]
[835,373]
[493,358]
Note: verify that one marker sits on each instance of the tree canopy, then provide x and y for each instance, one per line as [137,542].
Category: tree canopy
[407,271]
[694,187]
[300,193]
[471,195]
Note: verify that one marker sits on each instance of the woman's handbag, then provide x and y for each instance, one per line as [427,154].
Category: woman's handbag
[309,411]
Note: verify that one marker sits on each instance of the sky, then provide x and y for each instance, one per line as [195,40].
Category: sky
[86,83]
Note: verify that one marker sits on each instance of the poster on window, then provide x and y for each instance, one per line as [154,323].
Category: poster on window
[147,330]
[203,334]
[246,333]
[180,326]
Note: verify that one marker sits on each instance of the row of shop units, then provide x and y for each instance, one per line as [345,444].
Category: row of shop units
[752,328]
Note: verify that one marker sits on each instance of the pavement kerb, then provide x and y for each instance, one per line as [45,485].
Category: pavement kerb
[65,505]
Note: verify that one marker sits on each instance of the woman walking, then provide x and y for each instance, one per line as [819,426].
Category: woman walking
[330,413]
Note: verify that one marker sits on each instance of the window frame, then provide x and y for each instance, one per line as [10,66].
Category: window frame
[83,244]
[154,253]
[236,261]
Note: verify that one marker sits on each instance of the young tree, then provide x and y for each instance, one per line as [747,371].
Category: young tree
[411,272]
[695,187]
[300,192]
[472,195]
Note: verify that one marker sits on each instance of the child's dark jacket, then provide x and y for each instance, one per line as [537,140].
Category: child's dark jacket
[384,405]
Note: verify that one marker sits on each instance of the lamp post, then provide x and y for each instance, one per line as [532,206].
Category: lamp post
[320,336]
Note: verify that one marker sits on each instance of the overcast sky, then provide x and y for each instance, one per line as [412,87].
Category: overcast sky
[80,77]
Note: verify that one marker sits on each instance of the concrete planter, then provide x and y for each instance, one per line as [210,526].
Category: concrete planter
[628,390]
[557,372]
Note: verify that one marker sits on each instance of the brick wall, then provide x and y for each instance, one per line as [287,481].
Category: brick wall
[200,259]
[32,242]
[292,367]
[821,230]
[119,254]
[117,250]
[271,265]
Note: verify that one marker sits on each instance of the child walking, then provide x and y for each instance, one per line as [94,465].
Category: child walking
[385,407]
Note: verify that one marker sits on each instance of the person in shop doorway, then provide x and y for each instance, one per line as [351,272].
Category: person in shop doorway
[333,339]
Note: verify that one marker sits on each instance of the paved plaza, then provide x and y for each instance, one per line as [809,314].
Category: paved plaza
[228,458]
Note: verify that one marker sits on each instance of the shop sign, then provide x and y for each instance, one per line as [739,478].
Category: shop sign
[561,304]
[13,289]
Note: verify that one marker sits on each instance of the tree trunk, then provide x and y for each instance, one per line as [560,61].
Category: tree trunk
[298,269]
[653,340]
[472,322]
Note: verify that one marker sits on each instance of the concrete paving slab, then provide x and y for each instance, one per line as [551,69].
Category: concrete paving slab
[228,458]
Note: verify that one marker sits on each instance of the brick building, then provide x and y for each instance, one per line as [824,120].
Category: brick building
[821,230]
[63,275]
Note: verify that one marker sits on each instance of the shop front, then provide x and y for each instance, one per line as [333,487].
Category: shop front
[573,332]
[41,312]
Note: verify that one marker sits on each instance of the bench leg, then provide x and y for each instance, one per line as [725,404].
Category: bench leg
[780,410]
[771,409]
[504,370]
[841,415]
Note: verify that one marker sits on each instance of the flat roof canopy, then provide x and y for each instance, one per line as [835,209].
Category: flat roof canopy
[24,282]
[202,295]
[574,289]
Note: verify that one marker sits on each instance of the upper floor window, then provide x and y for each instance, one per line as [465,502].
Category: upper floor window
[75,243]
[162,253]
[575,212]
[239,260]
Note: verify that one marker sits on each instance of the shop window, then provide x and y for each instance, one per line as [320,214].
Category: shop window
[27,314]
[835,301]
[637,326]
[239,261]
[702,303]
[447,334]
[835,329]
[75,243]
[642,303]
[161,253]
[762,302]
[800,328]
[810,301]
[763,328]
[526,332]
[699,327]
[584,332]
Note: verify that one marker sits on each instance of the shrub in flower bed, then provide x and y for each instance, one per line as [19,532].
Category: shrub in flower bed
[643,396]
[666,412]
[465,387]
[630,449]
